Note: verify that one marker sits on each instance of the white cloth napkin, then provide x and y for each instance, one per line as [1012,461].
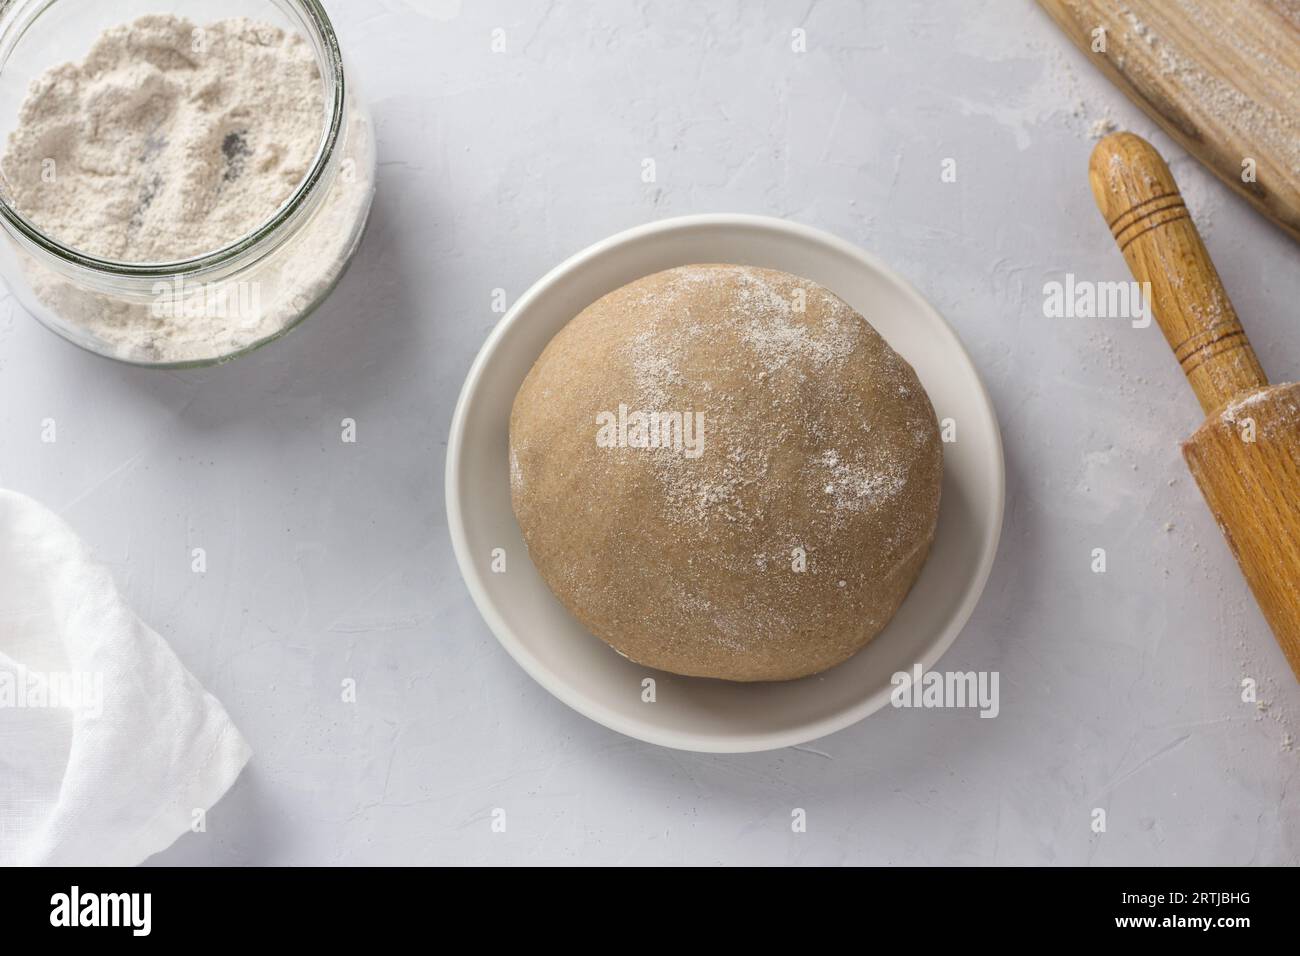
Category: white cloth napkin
[109,748]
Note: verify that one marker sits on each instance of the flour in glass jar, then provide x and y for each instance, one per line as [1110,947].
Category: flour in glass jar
[171,141]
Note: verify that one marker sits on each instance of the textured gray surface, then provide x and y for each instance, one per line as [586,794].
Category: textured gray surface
[330,561]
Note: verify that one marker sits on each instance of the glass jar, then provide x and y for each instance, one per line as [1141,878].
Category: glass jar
[251,291]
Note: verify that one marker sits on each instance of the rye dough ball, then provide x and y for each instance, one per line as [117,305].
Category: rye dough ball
[724,471]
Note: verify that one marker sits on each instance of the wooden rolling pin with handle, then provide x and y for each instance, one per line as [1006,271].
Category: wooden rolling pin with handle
[1246,456]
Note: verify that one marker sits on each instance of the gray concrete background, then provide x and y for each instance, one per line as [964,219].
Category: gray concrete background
[329,561]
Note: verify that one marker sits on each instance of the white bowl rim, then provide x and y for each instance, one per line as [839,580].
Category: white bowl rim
[555,684]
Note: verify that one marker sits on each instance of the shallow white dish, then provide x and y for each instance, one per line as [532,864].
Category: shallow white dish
[694,713]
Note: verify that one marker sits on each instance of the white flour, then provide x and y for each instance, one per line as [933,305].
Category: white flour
[166,141]
[171,141]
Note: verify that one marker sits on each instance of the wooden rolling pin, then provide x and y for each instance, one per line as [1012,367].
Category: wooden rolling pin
[1246,456]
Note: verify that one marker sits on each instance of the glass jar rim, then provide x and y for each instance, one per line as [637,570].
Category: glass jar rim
[312,15]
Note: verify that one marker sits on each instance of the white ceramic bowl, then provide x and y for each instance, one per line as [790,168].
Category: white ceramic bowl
[695,713]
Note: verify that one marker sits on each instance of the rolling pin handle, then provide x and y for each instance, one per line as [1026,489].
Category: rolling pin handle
[1149,220]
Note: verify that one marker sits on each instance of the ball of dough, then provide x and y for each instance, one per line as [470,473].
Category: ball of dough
[724,471]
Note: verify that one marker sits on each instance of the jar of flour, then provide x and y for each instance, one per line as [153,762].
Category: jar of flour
[177,189]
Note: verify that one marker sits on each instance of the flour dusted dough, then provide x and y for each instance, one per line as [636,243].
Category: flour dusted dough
[789,538]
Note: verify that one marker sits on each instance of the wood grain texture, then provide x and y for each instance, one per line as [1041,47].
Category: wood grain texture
[1141,203]
[1222,77]
[1246,461]
[1246,457]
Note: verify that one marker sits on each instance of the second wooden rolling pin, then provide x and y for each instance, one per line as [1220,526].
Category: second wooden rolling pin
[1246,456]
